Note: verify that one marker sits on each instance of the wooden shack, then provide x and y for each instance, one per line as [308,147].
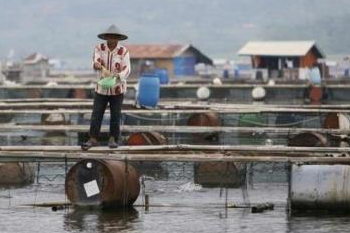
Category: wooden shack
[36,65]
[178,59]
[282,59]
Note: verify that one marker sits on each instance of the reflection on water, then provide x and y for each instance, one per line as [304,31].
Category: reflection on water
[314,222]
[100,221]
[199,211]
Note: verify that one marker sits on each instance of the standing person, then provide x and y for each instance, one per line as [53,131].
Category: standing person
[109,59]
[315,75]
[227,67]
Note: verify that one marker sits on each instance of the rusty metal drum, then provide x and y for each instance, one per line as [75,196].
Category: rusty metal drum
[16,174]
[315,95]
[320,187]
[204,119]
[34,93]
[103,183]
[311,139]
[331,121]
[336,121]
[80,93]
[209,119]
[146,138]
[53,119]
[216,174]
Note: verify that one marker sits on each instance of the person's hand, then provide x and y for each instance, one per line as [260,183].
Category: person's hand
[97,66]
[106,73]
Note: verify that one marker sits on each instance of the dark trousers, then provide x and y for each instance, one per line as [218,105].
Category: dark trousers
[100,104]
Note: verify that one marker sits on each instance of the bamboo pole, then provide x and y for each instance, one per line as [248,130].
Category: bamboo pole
[176,86]
[172,129]
[36,156]
[185,148]
[62,106]
[179,103]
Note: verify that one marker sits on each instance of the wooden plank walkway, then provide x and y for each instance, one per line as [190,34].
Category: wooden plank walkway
[176,86]
[170,129]
[185,148]
[88,109]
[175,102]
[174,107]
[184,153]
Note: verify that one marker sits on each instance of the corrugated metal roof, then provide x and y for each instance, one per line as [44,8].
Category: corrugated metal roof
[156,50]
[279,48]
[34,58]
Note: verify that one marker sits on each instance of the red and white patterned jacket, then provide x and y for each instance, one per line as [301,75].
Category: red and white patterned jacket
[117,62]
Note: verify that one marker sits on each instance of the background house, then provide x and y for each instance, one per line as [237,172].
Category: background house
[279,59]
[36,65]
[178,59]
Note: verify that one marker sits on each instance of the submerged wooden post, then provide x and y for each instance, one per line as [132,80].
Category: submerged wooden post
[146,202]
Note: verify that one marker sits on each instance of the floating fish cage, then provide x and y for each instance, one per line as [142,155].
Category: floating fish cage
[259,137]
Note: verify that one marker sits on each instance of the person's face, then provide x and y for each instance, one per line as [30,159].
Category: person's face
[112,39]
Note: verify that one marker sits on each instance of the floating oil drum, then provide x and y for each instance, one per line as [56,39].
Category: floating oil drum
[331,121]
[53,119]
[94,182]
[16,174]
[315,94]
[204,119]
[320,187]
[216,174]
[203,93]
[148,168]
[209,119]
[311,139]
[34,93]
[337,121]
[79,93]
[252,120]
[6,118]
[146,138]
[258,93]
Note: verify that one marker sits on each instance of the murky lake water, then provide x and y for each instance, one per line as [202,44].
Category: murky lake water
[187,208]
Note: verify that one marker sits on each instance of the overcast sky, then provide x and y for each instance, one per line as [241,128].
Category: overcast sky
[67,29]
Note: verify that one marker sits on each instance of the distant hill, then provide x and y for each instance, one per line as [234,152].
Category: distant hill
[67,29]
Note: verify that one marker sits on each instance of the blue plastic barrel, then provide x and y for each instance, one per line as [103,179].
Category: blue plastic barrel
[163,75]
[149,90]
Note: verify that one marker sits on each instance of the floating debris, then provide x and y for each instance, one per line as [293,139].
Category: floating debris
[189,187]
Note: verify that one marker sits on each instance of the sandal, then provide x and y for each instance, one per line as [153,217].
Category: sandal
[87,145]
[112,144]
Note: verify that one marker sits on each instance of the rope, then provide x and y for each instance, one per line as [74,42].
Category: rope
[279,125]
[239,120]
[154,118]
